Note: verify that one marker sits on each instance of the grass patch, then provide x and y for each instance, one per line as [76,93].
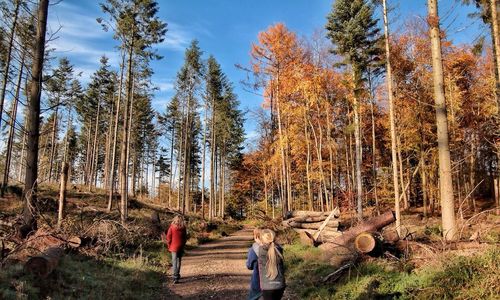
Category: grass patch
[83,277]
[456,277]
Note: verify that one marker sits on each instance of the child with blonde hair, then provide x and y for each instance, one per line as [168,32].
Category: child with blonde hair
[176,240]
[267,257]
[255,292]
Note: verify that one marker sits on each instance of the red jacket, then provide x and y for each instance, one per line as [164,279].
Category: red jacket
[176,238]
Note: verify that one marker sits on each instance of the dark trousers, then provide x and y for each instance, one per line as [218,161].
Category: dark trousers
[254,295]
[273,294]
[176,264]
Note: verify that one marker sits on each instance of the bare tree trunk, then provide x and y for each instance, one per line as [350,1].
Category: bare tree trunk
[179,164]
[496,44]
[423,177]
[33,118]
[223,183]
[86,175]
[216,183]
[212,199]
[330,152]
[320,158]
[319,146]
[53,142]
[108,148]
[124,147]
[187,156]
[129,131]
[401,178]
[95,149]
[357,140]
[153,179]
[445,179]
[391,120]
[64,176]
[472,173]
[308,163]
[283,159]
[171,179]
[13,116]
[21,157]
[8,58]
[374,146]
[265,193]
[203,164]
[115,137]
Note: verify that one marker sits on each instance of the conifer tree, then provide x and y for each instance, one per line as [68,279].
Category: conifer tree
[137,27]
[58,87]
[33,118]
[355,35]
[188,87]
[91,110]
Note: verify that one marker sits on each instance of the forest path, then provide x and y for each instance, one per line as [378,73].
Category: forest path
[215,270]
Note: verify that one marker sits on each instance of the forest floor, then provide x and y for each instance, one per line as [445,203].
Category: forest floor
[117,262]
[215,270]
[131,262]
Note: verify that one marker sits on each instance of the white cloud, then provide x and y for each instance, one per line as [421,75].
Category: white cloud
[177,38]
[82,50]
[165,86]
[69,20]
[159,104]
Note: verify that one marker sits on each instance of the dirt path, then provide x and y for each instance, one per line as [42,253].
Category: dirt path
[215,270]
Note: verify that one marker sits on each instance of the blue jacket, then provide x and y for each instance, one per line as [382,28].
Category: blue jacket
[252,264]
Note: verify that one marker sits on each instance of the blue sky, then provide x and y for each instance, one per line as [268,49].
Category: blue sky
[225,29]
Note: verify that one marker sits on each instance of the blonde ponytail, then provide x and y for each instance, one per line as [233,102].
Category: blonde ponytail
[273,255]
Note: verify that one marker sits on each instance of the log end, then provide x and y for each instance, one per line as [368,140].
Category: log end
[365,242]
[74,242]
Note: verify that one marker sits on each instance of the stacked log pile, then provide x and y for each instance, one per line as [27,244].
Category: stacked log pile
[314,226]
[343,249]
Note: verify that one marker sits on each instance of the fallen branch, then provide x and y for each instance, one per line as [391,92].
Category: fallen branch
[336,275]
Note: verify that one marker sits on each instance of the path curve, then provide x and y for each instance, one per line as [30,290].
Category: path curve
[215,270]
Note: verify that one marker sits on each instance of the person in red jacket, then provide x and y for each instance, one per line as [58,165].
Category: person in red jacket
[176,240]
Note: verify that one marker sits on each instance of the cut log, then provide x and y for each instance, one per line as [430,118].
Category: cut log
[370,225]
[306,239]
[325,222]
[42,265]
[390,236]
[306,219]
[365,242]
[74,242]
[316,225]
[306,236]
[326,231]
[306,213]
